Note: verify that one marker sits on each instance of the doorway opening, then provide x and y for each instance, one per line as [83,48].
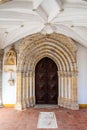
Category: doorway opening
[46,82]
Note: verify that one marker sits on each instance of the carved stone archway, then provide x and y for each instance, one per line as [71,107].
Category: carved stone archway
[62,51]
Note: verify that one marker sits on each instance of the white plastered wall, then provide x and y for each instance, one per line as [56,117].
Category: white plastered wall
[82,74]
[8,92]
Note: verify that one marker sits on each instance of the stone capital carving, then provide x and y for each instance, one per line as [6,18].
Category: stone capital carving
[10,58]
[68,73]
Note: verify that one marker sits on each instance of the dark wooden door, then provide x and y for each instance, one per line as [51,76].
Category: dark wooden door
[46,82]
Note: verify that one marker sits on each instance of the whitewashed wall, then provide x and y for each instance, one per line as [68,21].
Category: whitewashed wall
[82,74]
[9,92]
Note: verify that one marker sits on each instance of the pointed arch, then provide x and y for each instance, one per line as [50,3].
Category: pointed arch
[62,51]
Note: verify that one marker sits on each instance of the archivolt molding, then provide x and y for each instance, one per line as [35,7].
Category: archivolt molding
[37,38]
[30,49]
[62,51]
[47,54]
[47,51]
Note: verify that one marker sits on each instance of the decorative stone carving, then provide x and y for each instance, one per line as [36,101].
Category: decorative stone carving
[62,51]
[10,58]
[11,80]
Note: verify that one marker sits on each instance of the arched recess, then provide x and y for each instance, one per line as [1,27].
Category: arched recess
[62,51]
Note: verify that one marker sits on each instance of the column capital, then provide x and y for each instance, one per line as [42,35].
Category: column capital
[74,73]
[68,73]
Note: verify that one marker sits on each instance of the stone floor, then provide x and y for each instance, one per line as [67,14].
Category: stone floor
[11,119]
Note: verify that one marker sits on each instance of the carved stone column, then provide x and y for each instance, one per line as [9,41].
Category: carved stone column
[74,104]
[65,90]
[19,91]
[24,90]
[31,88]
[60,85]
[1,62]
[61,88]
[33,91]
[27,89]
[68,89]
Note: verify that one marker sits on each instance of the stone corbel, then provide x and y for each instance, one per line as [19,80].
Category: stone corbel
[11,81]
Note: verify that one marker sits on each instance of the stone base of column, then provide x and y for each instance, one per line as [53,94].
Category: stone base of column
[31,101]
[68,103]
[34,100]
[18,106]
[23,104]
[74,106]
[1,105]
[27,103]
[60,101]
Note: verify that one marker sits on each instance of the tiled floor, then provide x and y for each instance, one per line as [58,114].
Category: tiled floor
[11,119]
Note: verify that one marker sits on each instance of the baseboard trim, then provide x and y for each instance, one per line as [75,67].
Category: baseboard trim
[13,105]
[82,105]
[9,105]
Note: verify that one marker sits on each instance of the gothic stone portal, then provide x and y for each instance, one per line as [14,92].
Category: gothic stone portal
[62,51]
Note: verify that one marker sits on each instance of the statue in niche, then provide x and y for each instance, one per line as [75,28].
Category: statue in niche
[10,58]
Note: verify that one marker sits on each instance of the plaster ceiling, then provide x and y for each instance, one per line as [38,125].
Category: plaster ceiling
[19,18]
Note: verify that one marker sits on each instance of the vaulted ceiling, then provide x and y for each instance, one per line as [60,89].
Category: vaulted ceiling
[19,18]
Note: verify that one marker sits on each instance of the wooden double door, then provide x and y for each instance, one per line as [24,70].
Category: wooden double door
[46,82]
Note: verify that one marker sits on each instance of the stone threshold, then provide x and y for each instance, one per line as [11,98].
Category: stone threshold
[46,106]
